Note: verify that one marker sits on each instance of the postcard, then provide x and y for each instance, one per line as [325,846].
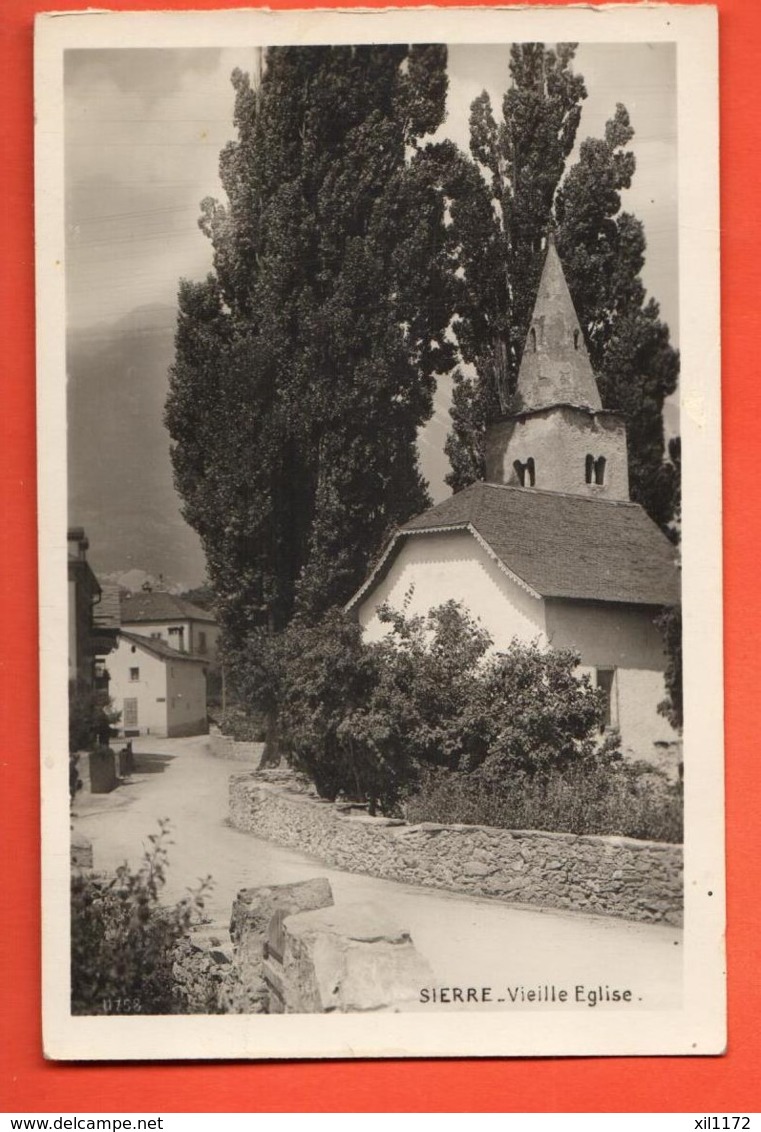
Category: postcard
[380,533]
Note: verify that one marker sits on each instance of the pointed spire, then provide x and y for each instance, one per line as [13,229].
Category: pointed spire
[555,367]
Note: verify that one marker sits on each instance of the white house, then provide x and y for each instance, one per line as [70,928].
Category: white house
[550,548]
[165,617]
[158,690]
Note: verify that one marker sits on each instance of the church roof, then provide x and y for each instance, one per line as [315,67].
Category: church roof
[556,545]
[555,366]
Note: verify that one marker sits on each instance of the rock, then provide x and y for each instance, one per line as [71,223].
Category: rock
[254,908]
[477,869]
[348,959]
[203,971]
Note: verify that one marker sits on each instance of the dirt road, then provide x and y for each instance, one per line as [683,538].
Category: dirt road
[467,942]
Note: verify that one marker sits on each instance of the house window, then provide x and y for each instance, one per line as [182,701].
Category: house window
[201,642]
[605,678]
[130,715]
[134,675]
[177,637]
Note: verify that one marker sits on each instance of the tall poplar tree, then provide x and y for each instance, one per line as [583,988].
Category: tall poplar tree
[513,190]
[306,361]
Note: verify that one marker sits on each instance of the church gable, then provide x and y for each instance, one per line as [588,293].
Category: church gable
[427,570]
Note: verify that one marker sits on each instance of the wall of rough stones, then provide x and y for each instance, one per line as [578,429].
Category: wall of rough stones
[613,876]
[223,747]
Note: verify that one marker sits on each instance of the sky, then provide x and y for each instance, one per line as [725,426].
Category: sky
[143,132]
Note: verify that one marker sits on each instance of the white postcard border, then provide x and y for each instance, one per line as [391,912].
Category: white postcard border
[698,1028]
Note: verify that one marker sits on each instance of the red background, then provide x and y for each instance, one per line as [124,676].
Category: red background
[722,1084]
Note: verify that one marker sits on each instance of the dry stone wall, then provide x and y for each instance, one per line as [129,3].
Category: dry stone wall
[223,747]
[613,876]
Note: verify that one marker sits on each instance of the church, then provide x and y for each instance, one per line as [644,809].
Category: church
[550,548]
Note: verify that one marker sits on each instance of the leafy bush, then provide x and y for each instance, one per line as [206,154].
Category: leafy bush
[363,719]
[123,939]
[600,797]
[241,725]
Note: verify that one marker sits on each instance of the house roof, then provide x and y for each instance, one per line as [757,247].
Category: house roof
[160,648]
[156,605]
[106,614]
[556,545]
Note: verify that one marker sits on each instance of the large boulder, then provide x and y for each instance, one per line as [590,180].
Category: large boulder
[252,913]
[347,959]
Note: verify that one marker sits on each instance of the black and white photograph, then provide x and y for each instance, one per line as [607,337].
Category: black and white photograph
[380,552]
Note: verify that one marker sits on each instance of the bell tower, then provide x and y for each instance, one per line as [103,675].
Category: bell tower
[557,435]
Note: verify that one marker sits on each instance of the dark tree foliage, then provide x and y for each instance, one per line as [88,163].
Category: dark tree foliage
[603,252]
[90,717]
[202,596]
[670,625]
[305,362]
[504,202]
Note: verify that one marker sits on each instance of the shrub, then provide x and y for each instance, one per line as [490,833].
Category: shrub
[363,719]
[601,796]
[241,725]
[123,939]
[324,675]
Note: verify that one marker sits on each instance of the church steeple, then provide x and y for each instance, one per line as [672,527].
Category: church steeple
[555,367]
[557,436]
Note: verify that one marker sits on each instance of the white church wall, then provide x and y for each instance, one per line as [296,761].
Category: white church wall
[642,729]
[606,635]
[436,568]
[442,567]
[625,639]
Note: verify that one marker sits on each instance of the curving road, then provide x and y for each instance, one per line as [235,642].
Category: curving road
[467,942]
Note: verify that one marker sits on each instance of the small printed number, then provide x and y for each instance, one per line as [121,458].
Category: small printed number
[122,1006]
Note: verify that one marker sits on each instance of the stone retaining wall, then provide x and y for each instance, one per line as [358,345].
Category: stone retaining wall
[613,876]
[223,747]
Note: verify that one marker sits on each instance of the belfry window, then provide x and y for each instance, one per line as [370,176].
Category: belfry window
[600,470]
[526,473]
[532,339]
[576,339]
[594,470]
